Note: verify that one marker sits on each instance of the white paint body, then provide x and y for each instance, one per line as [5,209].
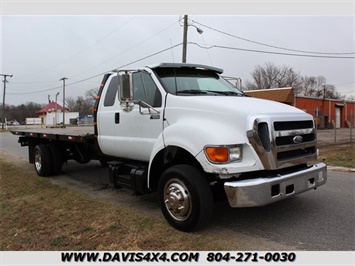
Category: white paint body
[189,122]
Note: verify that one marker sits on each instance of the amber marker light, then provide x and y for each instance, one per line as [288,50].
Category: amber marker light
[224,154]
[217,154]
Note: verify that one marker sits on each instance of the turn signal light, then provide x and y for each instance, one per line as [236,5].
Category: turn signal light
[224,154]
[218,154]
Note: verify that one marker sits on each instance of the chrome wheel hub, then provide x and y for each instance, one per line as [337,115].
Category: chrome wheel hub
[38,161]
[177,200]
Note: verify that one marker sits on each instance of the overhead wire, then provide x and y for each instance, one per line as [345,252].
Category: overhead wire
[111,58]
[268,45]
[310,54]
[80,52]
[130,48]
[269,52]
[97,75]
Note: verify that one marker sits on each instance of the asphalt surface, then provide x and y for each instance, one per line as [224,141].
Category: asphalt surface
[317,220]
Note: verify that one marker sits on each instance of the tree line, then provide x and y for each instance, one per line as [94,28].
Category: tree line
[81,104]
[20,112]
[271,76]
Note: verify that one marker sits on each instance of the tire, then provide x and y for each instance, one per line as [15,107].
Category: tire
[57,158]
[185,197]
[43,160]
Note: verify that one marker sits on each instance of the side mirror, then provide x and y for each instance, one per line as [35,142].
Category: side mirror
[125,87]
[125,90]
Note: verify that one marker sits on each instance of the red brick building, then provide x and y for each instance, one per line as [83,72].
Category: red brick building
[328,113]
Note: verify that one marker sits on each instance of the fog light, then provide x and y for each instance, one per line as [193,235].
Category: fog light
[320,177]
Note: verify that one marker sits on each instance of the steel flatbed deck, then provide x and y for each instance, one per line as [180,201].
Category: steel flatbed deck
[76,134]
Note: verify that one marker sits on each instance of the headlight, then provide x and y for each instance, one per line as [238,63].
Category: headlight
[235,153]
[223,154]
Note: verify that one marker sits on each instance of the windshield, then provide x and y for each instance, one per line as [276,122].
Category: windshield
[190,81]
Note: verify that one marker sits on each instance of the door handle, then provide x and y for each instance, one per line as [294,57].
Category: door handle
[117,118]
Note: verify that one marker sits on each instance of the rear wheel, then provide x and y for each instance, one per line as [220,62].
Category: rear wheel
[43,160]
[185,197]
[57,158]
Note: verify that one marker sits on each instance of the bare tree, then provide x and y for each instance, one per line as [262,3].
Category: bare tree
[81,104]
[91,94]
[309,85]
[272,76]
[70,103]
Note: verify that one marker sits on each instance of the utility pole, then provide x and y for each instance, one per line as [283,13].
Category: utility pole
[63,99]
[3,99]
[56,105]
[184,39]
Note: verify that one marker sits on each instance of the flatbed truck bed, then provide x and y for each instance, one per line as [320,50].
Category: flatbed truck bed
[75,134]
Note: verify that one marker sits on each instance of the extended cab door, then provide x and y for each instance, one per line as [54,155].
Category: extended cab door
[131,134]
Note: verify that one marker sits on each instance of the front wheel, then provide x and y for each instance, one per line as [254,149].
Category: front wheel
[185,197]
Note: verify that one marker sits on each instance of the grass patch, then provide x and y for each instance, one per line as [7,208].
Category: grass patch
[37,215]
[57,241]
[338,155]
[114,227]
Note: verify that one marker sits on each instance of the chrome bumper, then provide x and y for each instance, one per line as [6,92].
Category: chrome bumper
[263,191]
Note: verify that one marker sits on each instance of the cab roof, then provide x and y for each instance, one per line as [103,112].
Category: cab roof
[185,65]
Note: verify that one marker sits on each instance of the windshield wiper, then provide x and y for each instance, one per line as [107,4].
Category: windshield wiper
[192,91]
[227,93]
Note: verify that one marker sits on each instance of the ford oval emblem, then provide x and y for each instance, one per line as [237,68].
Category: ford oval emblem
[298,139]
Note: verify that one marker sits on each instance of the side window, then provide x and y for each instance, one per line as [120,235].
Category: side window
[146,90]
[111,92]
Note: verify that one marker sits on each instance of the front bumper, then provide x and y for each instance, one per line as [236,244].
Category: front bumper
[262,191]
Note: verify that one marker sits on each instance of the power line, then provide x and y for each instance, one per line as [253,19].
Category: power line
[88,78]
[268,45]
[111,58]
[51,89]
[138,60]
[269,52]
[130,48]
[83,50]
[346,83]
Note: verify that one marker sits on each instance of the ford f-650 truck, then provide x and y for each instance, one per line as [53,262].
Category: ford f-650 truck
[183,131]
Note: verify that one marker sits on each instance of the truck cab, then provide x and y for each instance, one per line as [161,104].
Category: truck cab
[187,133]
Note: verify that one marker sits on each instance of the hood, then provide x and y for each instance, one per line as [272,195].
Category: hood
[230,105]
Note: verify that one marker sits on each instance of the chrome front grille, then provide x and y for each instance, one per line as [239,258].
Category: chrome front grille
[281,144]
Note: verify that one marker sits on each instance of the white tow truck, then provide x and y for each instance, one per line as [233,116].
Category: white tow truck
[183,131]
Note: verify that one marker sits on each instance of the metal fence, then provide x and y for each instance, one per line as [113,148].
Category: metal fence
[336,136]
